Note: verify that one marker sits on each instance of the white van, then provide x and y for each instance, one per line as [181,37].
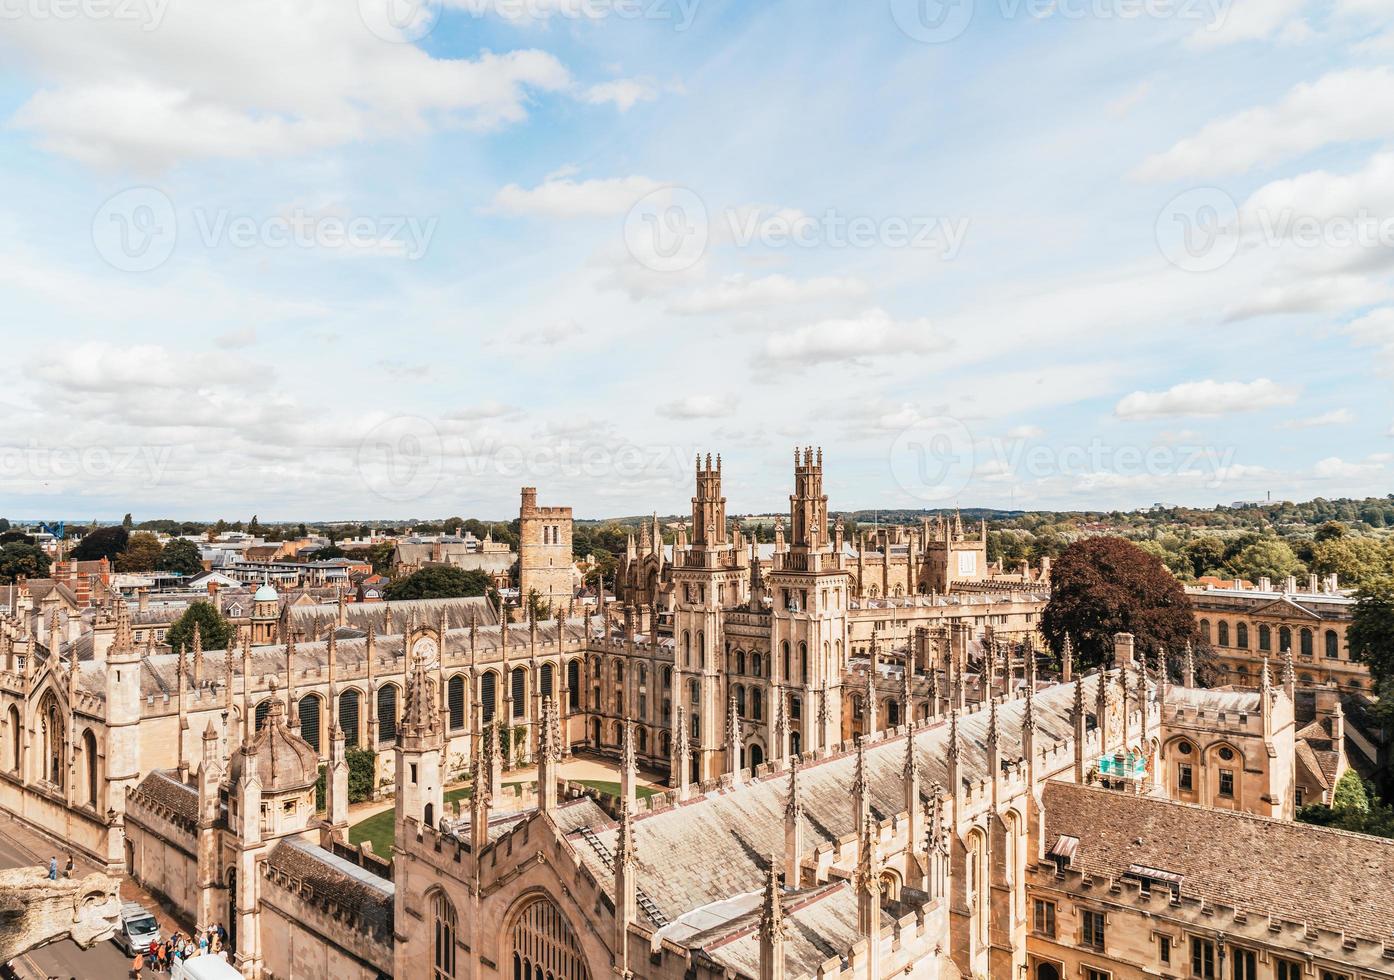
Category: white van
[209,966]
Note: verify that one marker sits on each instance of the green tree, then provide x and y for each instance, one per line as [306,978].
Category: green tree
[21,558]
[142,552]
[1350,793]
[327,552]
[1371,633]
[1205,554]
[127,523]
[1106,585]
[4,524]
[104,542]
[1267,558]
[1331,531]
[440,582]
[215,632]
[1352,558]
[180,556]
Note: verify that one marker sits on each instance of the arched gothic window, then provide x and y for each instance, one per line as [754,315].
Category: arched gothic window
[544,945]
[443,913]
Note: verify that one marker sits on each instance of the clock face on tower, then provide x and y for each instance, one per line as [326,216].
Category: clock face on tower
[424,650]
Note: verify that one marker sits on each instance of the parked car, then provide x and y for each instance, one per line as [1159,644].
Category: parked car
[137,930]
[209,966]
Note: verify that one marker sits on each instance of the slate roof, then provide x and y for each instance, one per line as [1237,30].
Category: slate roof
[329,877]
[821,924]
[717,846]
[1318,749]
[1328,878]
[1211,699]
[167,791]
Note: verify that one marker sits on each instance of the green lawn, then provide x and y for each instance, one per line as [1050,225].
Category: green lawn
[380,828]
[643,792]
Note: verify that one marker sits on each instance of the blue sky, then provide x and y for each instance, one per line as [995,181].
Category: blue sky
[297,261]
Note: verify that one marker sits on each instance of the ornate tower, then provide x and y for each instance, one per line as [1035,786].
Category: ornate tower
[419,793]
[545,563]
[811,591]
[709,577]
[122,722]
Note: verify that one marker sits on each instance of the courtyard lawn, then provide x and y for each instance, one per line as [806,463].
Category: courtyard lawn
[380,829]
[613,789]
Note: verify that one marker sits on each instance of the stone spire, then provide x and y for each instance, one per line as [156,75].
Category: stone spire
[1067,661]
[124,640]
[994,743]
[733,742]
[293,710]
[625,888]
[198,657]
[680,769]
[481,800]
[793,829]
[1289,675]
[548,756]
[781,725]
[629,767]
[861,790]
[1188,669]
[867,883]
[869,697]
[1081,729]
[772,929]
[907,694]
[910,773]
[951,757]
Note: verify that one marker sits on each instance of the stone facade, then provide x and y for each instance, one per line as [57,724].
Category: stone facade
[545,564]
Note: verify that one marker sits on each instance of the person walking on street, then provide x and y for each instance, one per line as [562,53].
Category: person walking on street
[53,868]
[137,965]
[68,868]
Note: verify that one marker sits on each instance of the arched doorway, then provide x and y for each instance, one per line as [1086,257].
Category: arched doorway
[544,944]
[1047,971]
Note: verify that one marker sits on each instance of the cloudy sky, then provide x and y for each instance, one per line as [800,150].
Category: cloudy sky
[391,258]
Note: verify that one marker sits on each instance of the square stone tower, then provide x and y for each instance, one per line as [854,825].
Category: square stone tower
[545,564]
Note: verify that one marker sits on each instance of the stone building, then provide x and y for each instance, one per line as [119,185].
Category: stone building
[546,567]
[1245,626]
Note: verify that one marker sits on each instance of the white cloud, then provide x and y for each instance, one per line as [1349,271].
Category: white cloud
[1253,20]
[874,334]
[1374,329]
[625,93]
[252,80]
[1342,106]
[1340,416]
[738,293]
[488,409]
[1333,467]
[1205,399]
[244,337]
[561,197]
[101,367]
[698,407]
[1026,432]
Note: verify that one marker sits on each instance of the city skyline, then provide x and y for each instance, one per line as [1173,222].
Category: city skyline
[235,288]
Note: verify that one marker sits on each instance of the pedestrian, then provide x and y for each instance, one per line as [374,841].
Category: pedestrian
[53,868]
[202,944]
[137,965]
[68,868]
[163,958]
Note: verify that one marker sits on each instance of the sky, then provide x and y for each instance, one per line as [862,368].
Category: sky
[381,259]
